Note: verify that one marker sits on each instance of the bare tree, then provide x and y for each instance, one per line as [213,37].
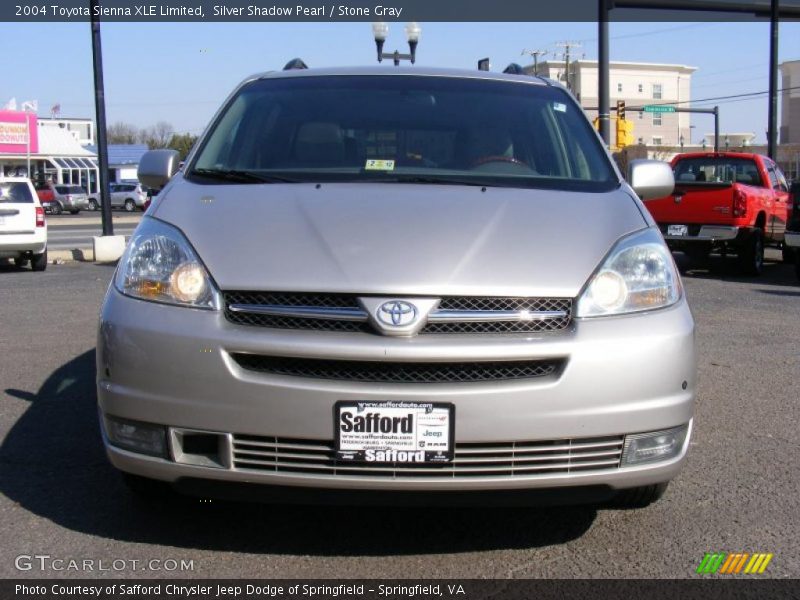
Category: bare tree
[122,133]
[157,136]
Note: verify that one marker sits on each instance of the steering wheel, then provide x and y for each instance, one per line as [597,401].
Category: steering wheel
[499,158]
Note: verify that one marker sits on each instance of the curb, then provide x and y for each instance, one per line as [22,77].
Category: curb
[72,255]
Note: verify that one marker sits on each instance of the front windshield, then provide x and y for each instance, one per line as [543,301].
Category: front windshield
[405,129]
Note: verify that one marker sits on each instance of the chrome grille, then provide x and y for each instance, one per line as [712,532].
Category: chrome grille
[398,372]
[342,312]
[292,300]
[502,459]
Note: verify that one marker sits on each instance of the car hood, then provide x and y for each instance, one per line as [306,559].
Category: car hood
[388,238]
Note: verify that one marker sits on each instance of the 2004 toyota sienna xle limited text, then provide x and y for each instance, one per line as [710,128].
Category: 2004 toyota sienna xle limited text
[408,282]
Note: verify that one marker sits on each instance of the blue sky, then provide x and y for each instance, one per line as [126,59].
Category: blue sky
[181,72]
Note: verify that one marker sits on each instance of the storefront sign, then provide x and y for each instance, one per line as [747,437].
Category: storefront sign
[15,132]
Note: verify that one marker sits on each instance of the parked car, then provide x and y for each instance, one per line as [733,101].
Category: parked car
[129,196]
[792,240]
[57,198]
[726,201]
[406,281]
[23,228]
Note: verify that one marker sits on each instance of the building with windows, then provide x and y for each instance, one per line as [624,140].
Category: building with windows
[44,153]
[638,84]
[790,102]
[81,130]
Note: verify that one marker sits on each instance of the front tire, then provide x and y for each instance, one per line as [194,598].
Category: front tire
[39,261]
[93,205]
[751,254]
[641,496]
[130,205]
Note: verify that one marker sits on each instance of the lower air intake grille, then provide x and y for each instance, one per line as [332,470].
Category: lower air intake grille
[398,372]
[502,459]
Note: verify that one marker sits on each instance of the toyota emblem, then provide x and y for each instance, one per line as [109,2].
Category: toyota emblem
[397,313]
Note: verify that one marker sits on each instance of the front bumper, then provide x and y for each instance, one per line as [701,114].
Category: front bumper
[172,366]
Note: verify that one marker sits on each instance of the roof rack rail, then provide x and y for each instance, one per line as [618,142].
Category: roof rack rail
[514,69]
[295,63]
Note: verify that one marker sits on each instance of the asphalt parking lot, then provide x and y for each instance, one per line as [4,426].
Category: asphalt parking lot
[60,497]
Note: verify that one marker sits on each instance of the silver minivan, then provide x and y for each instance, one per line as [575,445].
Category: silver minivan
[67,197]
[399,281]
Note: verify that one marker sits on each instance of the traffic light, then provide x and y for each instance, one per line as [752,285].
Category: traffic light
[621,109]
[624,133]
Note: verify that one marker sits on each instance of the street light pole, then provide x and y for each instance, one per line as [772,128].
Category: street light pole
[100,110]
[380,32]
[772,116]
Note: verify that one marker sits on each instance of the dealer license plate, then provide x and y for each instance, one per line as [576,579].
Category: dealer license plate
[394,432]
[678,230]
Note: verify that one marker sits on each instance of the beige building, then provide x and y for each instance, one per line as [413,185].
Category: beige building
[81,130]
[790,102]
[638,84]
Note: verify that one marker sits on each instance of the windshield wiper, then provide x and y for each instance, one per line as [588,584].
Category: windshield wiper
[240,176]
[433,180]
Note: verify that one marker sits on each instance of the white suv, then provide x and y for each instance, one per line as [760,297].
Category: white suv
[23,229]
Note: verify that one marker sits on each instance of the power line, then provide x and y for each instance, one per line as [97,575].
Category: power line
[698,100]
[644,33]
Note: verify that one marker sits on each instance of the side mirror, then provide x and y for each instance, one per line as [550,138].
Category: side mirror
[651,178]
[156,167]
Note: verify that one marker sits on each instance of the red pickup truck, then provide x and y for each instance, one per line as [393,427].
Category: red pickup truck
[728,202]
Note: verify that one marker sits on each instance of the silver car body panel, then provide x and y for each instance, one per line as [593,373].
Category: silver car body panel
[443,240]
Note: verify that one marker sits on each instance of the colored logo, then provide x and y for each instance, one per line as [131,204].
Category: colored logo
[733,563]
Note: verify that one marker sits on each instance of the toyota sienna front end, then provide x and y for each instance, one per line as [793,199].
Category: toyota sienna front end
[402,281]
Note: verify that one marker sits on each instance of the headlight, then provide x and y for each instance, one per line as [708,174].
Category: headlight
[639,274]
[160,265]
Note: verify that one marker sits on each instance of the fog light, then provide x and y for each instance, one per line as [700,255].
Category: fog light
[654,446]
[144,438]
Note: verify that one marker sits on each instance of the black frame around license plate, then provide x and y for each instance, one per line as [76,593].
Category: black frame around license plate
[431,458]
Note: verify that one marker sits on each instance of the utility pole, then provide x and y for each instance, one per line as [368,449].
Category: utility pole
[535,54]
[603,113]
[567,46]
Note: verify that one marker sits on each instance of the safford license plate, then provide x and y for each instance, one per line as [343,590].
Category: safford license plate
[394,432]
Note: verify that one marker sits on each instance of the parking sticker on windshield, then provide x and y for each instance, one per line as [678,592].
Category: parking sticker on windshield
[379,165]
[559,107]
